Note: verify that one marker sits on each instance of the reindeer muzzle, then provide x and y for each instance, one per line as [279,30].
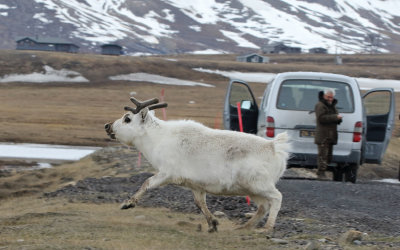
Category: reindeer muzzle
[110,132]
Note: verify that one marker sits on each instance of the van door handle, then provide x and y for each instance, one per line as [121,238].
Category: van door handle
[312,111]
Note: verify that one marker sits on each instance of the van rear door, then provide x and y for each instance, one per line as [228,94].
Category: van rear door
[379,107]
[240,92]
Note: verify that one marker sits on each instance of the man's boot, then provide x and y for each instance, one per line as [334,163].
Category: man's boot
[321,175]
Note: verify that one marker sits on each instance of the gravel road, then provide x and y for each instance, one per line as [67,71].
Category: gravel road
[308,207]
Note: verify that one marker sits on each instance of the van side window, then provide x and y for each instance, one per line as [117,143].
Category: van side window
[266,93]
[240,93]
[303,95]
[378,103]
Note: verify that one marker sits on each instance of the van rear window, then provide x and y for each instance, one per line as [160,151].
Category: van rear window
[303,95]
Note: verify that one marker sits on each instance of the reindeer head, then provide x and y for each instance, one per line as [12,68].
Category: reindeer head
[131,124]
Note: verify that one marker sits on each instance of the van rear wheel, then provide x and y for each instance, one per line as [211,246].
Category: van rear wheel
[337,173]
[350,174]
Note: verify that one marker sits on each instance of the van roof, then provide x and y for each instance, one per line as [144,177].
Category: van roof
[316,76]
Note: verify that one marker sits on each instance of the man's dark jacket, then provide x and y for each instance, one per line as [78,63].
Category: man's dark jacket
[327,121]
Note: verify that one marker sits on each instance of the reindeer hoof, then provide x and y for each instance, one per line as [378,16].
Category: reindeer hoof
[127,206]
[213,228]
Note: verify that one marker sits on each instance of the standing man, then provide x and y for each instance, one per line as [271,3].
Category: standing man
[327,119]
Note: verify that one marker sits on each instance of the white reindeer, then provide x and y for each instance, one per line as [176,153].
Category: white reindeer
[205,160]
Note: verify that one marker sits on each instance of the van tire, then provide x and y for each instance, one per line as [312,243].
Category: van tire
[350,174]
[337,174]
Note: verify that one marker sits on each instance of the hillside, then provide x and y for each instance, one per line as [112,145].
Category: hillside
[236,26]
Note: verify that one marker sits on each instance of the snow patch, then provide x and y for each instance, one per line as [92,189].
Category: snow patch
[195,28]
[49,75]
[244,76]
[393,181]
[208,52]
[241,42]
[42,17]
[44,151]
[4,7]
[145,77]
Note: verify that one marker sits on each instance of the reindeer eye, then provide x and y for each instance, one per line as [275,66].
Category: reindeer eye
[127,119]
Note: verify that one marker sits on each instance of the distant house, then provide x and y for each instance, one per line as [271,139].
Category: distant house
[111,49]
[255,58]
[280,48]
[318,50]
[46,44]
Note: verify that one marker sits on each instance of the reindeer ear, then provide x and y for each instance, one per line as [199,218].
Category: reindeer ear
[143,113]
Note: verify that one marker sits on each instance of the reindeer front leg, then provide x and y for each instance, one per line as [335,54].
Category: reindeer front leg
[152,182]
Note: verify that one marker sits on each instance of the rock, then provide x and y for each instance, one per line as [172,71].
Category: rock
[219,214]
[350,236]
[248,215]
[312,245]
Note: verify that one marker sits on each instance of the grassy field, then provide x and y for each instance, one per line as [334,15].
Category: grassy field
[75,113]
[59,224]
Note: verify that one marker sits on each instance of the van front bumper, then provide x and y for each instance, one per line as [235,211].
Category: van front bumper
[310,160]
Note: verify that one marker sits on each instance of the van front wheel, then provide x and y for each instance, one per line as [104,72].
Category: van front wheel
[350,174]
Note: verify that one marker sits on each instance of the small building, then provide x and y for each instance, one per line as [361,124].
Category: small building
[46,44]
[111,49]
[281,48]
[318,50]
[255,58]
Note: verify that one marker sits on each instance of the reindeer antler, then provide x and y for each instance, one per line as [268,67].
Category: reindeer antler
[151,103]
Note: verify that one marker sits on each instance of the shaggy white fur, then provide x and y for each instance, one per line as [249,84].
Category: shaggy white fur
[207,160]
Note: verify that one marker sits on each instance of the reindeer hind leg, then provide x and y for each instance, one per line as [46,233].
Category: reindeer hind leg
[200,201]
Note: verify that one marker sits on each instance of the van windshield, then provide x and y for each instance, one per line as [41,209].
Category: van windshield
[303,95]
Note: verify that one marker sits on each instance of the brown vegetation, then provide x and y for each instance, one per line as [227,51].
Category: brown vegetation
[75,113]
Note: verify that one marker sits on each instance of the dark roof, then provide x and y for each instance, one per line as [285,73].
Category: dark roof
[51,40]
[247,55]
[252,54]
[113,45]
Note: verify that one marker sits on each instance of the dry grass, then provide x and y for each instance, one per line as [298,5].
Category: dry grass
[74,113]
[58,224]
[70,113]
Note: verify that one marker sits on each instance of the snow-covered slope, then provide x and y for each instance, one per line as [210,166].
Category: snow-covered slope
[174,26]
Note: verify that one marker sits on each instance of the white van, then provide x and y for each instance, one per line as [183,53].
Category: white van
[288,105]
